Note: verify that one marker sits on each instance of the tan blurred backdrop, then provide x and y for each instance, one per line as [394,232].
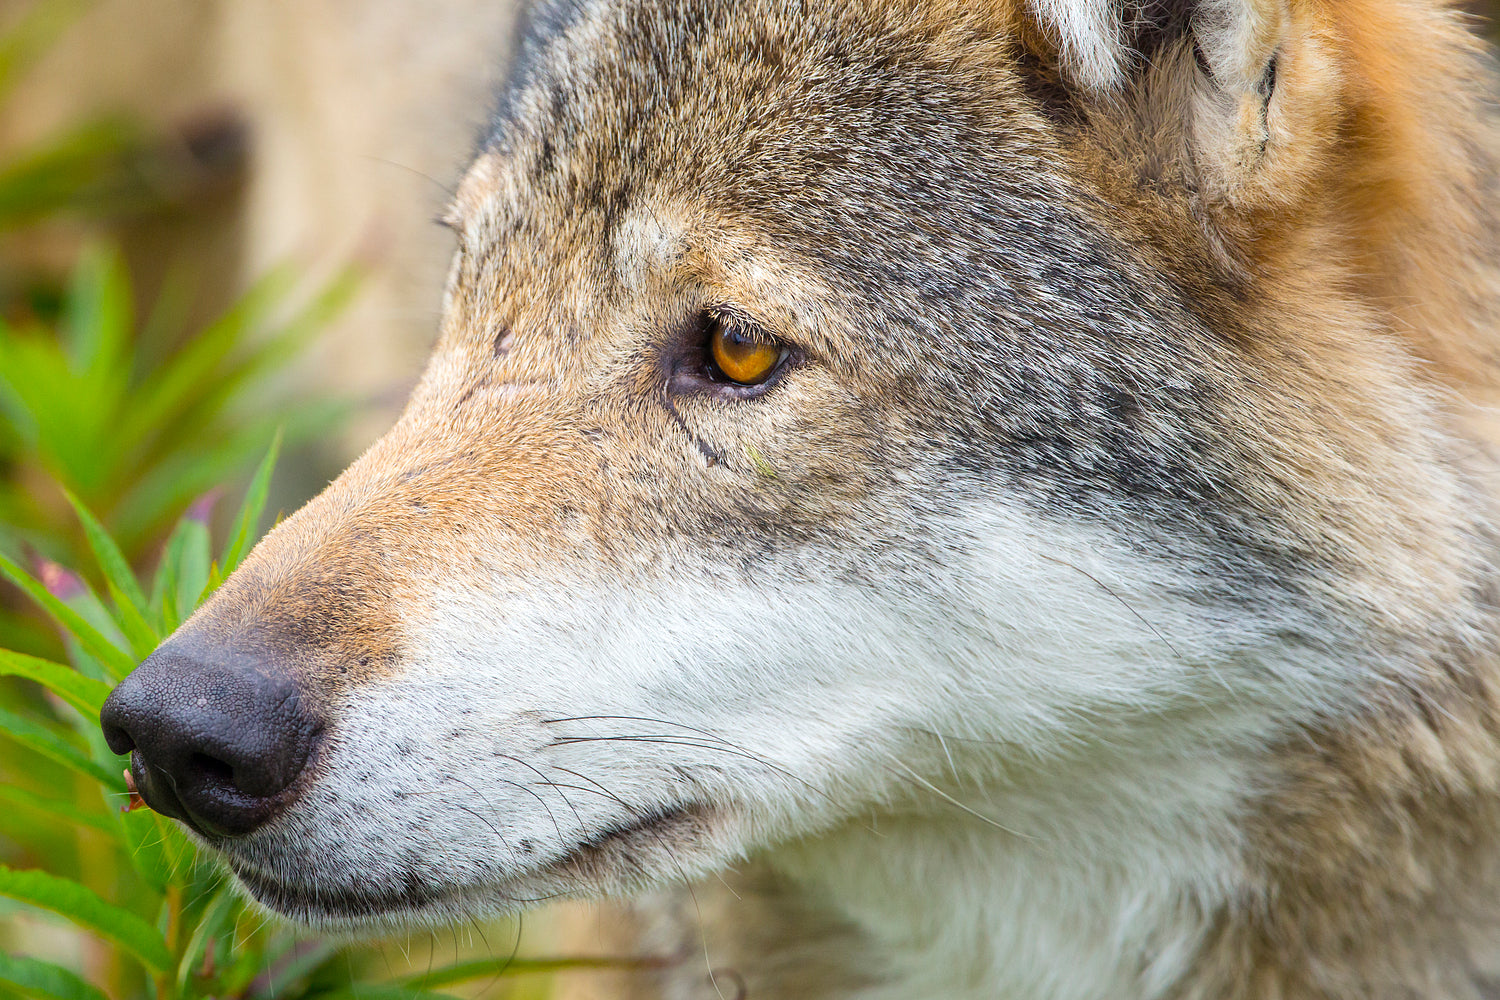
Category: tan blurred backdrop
[350,118]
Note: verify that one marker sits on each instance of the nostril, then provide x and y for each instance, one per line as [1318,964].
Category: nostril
[212,770]
[117,736]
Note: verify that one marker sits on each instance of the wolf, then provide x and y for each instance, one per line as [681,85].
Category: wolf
[931,499]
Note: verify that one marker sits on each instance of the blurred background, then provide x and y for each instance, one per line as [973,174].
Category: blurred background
[215,225]
[214,140]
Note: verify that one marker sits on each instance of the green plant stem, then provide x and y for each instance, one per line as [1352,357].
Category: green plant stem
[165,987]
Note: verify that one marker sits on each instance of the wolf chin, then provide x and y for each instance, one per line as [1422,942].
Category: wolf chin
[927,499]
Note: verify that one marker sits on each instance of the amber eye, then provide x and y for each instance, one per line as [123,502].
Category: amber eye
[743,356]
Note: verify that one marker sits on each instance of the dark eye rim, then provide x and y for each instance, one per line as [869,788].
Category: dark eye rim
[692,369]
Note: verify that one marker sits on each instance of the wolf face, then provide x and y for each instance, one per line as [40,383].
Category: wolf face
[965,417]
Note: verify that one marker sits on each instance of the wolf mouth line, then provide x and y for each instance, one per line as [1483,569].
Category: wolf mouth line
[421,900]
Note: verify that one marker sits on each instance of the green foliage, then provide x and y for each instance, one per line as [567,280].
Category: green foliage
[83,405]
[133,416]
[165,923]
[84,908]
[84,169]
[45,979]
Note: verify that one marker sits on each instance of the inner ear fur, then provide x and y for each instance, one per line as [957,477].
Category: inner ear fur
[1232,99]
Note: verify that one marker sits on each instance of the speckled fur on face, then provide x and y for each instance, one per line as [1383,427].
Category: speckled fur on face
[1121,437]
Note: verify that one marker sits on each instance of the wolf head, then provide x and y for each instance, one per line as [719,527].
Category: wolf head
[832,398]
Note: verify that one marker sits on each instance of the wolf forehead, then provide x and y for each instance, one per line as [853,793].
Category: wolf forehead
[916,191]
[774,113]
[1096,353]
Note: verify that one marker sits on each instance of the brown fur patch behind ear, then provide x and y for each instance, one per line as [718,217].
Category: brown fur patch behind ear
[1419,184]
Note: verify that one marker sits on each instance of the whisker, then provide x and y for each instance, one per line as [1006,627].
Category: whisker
[666,739]
[449,191]
[672,856]
[525,788]
[1124,603]
[533,769]
[720,876]
[949,754]
[489,805]
[707,733]
[955,802]
[515,858]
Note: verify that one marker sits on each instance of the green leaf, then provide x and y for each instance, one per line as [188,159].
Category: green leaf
[100,317]
[83,693]
[146,837]
[247,521]
[243,965]
[216,918]
[301,960]
[215,581]
[463,972]
[45,741]
[167,320]
[159,403]
[138,632]
[84,908]
[27,633]
[65,417]
[89,167]
[194,565]
[174,480]
[91,639]
[18,361]
[63,809]
[270,354]
[38,977]
[183,573]
[362,991]
[112,562]
[79,597]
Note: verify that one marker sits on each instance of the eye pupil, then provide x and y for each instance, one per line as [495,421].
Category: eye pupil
[741,356]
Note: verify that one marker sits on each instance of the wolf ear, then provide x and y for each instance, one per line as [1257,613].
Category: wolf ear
[1203,83]
[1102,45]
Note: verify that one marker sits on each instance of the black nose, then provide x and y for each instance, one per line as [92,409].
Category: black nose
[218,742]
